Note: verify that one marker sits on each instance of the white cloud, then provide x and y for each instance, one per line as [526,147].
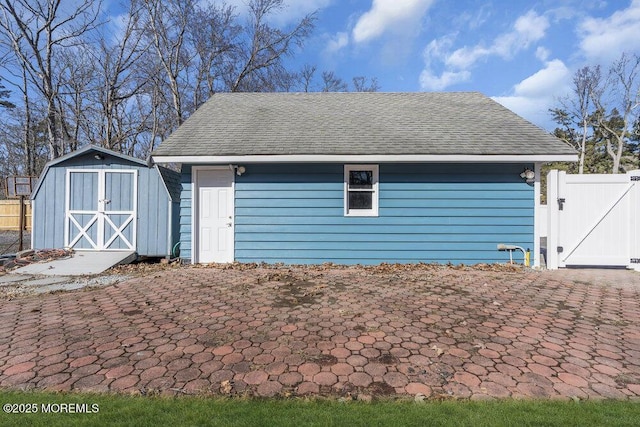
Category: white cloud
[545,82]
[430,81]
[466,57]
[438,49]
[531,27]
[397,16]
[605,39]
[336,43]
[527,29]
[542,53]
[533,96]
[292,10]
[295,10]
[473,20]
[534,110]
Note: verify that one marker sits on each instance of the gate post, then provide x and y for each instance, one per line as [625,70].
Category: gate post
[553,217]
[634,221]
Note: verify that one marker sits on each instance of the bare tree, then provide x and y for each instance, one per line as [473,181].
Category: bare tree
[306,76]
[623,88]
[4,93]
[213,35]
[23,118]
[332,83]
[77,74]
[329,81]
[259,60]
[362,84]
[118,82]
[577,110]
[129,90]
[167,24]
[37,29]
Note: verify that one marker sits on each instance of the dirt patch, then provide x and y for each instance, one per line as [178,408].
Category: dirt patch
[296,294]
[624,379]
[323,359]
[293,290]
[213,340]
[381,389]
[386,359]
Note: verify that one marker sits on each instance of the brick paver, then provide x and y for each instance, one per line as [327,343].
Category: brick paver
[270,331]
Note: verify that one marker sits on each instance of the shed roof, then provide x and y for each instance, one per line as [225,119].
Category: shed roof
[290,124]
[170,178]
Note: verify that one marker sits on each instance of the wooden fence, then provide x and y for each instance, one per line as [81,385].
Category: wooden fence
[10,214]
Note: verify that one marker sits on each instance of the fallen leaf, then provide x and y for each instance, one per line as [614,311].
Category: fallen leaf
[225,387]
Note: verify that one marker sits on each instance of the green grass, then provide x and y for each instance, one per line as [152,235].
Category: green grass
[118,410]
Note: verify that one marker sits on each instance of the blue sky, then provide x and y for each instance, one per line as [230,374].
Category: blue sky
[522,53]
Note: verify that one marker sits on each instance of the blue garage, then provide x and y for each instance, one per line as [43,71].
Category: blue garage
[358,178]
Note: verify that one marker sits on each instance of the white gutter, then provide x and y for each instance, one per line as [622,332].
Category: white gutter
[375,158]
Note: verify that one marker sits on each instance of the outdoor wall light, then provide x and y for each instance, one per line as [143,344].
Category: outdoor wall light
[528,175]
[240,170]
[99,156]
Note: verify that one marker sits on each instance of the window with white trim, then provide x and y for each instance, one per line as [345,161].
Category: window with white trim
[361,190]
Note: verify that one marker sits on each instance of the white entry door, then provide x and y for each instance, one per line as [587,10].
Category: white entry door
[101,208]
[215,238]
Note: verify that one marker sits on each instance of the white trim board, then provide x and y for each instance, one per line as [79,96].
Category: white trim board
[101,214]
[195,207]
[375,158]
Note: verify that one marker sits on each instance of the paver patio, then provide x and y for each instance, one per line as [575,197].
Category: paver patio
[441,332]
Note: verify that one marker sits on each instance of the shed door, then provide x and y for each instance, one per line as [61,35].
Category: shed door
[101,209]
[215,215]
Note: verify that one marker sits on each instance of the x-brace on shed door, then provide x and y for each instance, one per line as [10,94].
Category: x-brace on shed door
[101,209]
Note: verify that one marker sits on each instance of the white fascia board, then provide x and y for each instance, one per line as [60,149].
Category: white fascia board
[391,158]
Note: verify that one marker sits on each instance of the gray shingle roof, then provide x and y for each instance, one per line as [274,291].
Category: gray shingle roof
[238,124]
[172,182]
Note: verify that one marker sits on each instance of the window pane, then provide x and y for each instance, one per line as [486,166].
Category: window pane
[360,200]
[361,179]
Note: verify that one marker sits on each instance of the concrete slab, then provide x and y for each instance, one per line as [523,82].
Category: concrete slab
[80,264]
[61,287]
[11,279]
[25,284]
[45,281]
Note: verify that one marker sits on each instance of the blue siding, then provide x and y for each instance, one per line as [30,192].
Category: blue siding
[441,213]
[154,227]
[49,211]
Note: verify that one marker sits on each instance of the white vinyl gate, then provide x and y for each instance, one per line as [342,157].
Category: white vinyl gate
[593,220]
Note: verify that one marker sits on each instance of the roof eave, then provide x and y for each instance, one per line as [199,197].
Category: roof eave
[77,153]
[371,158]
